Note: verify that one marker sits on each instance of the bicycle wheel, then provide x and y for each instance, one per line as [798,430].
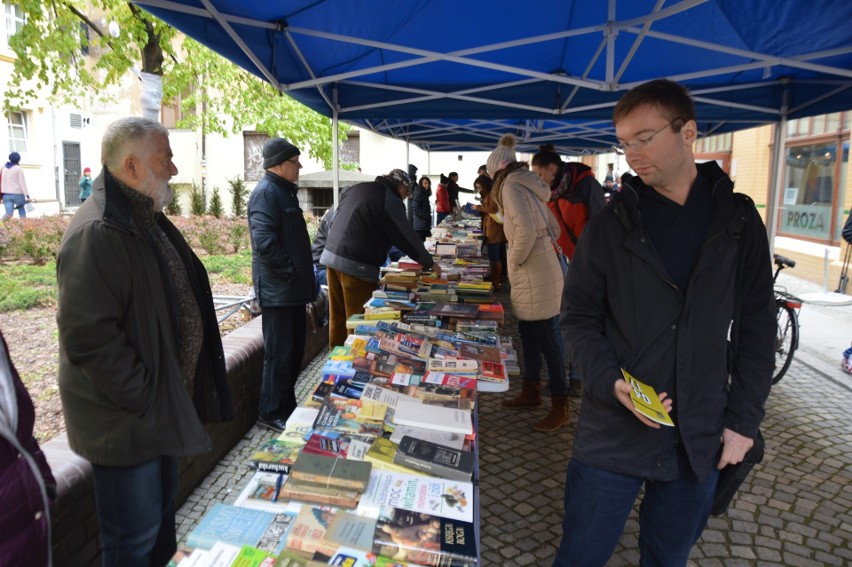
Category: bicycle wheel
[786,339]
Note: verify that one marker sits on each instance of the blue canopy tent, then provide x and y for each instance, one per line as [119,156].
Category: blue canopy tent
[455,75]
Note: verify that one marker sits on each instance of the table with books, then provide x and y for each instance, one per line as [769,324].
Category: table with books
[379,466]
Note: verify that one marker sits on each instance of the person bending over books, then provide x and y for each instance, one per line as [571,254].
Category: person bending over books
[656,281]
[536,280]
[141,366]
[495,238]
[370,219]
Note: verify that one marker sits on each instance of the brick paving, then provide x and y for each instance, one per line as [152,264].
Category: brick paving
[795,508]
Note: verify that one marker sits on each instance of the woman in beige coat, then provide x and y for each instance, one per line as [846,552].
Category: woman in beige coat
[536,279]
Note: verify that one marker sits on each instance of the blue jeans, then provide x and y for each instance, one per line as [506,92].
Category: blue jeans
[14,201]
[542,339]
[597,503]
[136,510]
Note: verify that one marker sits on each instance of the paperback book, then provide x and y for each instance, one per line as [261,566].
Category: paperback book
[276,455]
[450,499]
[354,417]
[230,524]
[424,539]
[434,417]
[436,460]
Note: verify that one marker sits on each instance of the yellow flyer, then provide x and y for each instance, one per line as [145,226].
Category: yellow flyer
[646,401]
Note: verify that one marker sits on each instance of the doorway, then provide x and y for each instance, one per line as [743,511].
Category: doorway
[71,166]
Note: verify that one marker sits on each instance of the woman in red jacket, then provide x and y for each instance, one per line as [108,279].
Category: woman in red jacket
[575,195]
[442,200]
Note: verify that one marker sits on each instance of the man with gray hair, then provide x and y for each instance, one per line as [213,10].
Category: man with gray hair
[141,365]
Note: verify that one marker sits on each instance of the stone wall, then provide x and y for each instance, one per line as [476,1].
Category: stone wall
[75,524]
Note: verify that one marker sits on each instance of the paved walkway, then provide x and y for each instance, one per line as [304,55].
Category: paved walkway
[795,509]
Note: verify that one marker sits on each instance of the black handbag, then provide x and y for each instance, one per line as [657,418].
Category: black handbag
[732,476]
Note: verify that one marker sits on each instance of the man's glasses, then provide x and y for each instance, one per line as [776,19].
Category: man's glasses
[294,161]
[640,143]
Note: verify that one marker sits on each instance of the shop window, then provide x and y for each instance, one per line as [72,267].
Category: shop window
[808,196]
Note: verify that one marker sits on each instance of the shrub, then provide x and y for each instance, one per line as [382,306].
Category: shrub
[239,196]
[237,237]
[33,240]
[174,208]
[210,237]
[216,208]
[313,225]
[197,205]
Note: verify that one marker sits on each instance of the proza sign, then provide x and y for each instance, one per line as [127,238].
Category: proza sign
[807,220]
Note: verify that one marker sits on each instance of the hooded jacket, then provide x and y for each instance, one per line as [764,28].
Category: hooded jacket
[624,311]
[575,197]
[419,212]
[281,262]
[27,487]
[370,218]
[122,393]
[534,270]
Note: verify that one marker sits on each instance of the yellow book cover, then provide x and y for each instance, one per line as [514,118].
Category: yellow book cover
[388,315]
[646,401]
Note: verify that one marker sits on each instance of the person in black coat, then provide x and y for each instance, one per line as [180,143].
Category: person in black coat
[283,276]
[419,211]
[654,286]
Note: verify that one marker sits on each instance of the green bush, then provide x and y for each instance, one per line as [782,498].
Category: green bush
[239,196]
[238,236]
[197,205]
[216,208]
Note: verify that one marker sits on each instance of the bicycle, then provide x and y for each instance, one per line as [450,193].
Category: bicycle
[787,321]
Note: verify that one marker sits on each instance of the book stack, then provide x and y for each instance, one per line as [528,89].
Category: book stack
[321,479]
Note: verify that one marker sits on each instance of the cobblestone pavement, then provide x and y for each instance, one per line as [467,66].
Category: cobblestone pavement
[794,509]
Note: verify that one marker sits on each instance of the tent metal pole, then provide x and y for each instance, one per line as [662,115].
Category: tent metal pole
[335,154]
[776,171]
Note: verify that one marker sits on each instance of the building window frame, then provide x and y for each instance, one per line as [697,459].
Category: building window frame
[13,20]
[16,127]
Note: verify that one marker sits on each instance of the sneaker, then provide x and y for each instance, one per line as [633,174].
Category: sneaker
[575,389]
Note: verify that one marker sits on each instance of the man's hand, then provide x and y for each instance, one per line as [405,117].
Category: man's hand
[436,269]
[734,448]
[621,390]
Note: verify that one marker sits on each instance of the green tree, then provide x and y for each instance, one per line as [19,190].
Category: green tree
[49,56]
[239,195]
[197,205]
[216,208]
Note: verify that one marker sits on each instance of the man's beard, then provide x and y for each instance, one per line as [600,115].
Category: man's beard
[158,190]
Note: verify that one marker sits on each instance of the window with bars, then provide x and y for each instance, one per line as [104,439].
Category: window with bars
[17,126]
[322,199]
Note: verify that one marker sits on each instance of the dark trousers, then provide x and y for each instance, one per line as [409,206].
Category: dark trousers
[136,510]
[284,347]
[541,339]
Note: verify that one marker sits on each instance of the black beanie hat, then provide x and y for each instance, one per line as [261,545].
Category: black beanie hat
[277,150]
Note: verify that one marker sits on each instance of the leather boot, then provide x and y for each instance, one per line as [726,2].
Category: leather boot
[496,275]
[530,396]
[557,417]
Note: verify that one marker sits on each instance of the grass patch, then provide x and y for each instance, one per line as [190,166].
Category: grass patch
[24,286]
[233,268]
